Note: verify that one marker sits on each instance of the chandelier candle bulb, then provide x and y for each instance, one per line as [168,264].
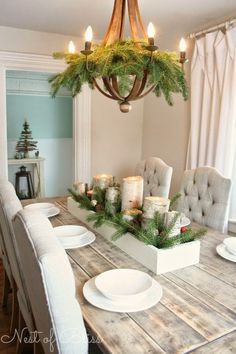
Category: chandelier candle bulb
[88,38]
[102,181]
[151,33]
[182,48]
[71,47]
[132,192]
[153,204]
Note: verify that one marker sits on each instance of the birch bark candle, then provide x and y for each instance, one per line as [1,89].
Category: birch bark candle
[112,195]
[102,181]
[169,216]
[132,192]
[154,204]
[80,187]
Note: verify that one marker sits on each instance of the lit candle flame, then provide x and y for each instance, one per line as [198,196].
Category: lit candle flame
[89,34]
[151,30]
[71,47]
[182,45]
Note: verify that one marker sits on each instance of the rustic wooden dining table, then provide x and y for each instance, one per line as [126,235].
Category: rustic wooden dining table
[197,313]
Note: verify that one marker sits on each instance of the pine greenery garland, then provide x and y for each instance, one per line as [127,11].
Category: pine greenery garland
[155,232]
[123,59]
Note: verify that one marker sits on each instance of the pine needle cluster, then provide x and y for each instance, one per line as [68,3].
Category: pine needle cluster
[124,59]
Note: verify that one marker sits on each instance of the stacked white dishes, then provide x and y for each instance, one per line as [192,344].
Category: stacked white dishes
[227,249]
[74,236]
[48,209]
[122,290]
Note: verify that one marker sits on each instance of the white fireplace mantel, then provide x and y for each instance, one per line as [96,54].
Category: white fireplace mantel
[81,110]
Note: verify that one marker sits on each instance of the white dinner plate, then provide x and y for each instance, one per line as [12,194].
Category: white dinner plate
[185,221]
[230,243]
[95,297]
[74,236]
[222,251]
[48,209]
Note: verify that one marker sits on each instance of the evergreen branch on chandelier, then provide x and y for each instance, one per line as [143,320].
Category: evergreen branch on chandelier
[123,59]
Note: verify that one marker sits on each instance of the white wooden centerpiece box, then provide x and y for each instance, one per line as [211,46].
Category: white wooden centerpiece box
[157,260]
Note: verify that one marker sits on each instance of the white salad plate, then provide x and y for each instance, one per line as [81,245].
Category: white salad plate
[74,236]
[185,221]
[123,284]
[223,252]
[97,299]
[48,209]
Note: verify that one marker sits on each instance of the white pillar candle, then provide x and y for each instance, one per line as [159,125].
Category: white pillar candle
[168,217]
[153,204]
[102,181]
[132,192]
[79,187]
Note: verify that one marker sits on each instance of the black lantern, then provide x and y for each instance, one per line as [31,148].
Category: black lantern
[24,185]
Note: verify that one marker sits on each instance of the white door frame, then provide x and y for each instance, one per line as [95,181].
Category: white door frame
[81,111]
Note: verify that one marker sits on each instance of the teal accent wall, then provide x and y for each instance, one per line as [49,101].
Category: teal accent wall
[48,117]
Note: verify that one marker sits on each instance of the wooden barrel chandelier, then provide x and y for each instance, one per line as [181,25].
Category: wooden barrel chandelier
[115,33]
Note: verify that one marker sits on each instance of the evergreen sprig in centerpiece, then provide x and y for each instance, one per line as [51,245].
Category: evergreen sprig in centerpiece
[155,231]
[128,68]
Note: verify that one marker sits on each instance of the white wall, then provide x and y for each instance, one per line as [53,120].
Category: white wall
[116,137]
[25,41]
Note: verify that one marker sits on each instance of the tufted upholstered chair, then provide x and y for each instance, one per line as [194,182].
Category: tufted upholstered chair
[50,283]
[205,197]
[157,176]
[9,206]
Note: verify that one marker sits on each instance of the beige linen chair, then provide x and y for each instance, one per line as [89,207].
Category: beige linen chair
[7,276]
[205,197]
[51,286]
[9,205]
[157,176]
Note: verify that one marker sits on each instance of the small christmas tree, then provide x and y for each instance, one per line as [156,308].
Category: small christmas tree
[26,142]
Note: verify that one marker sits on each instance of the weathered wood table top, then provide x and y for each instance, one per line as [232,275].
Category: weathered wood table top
[197,313]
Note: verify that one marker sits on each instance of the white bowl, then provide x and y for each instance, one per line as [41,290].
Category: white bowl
[230,243]
[70,231]
[123,284]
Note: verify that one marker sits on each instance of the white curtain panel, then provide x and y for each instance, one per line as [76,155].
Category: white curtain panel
[213,105]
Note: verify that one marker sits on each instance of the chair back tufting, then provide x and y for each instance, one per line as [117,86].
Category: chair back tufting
[51,285]
[157,176]
[205,197]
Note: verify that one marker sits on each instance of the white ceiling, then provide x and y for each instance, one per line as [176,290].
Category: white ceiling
[71,17]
